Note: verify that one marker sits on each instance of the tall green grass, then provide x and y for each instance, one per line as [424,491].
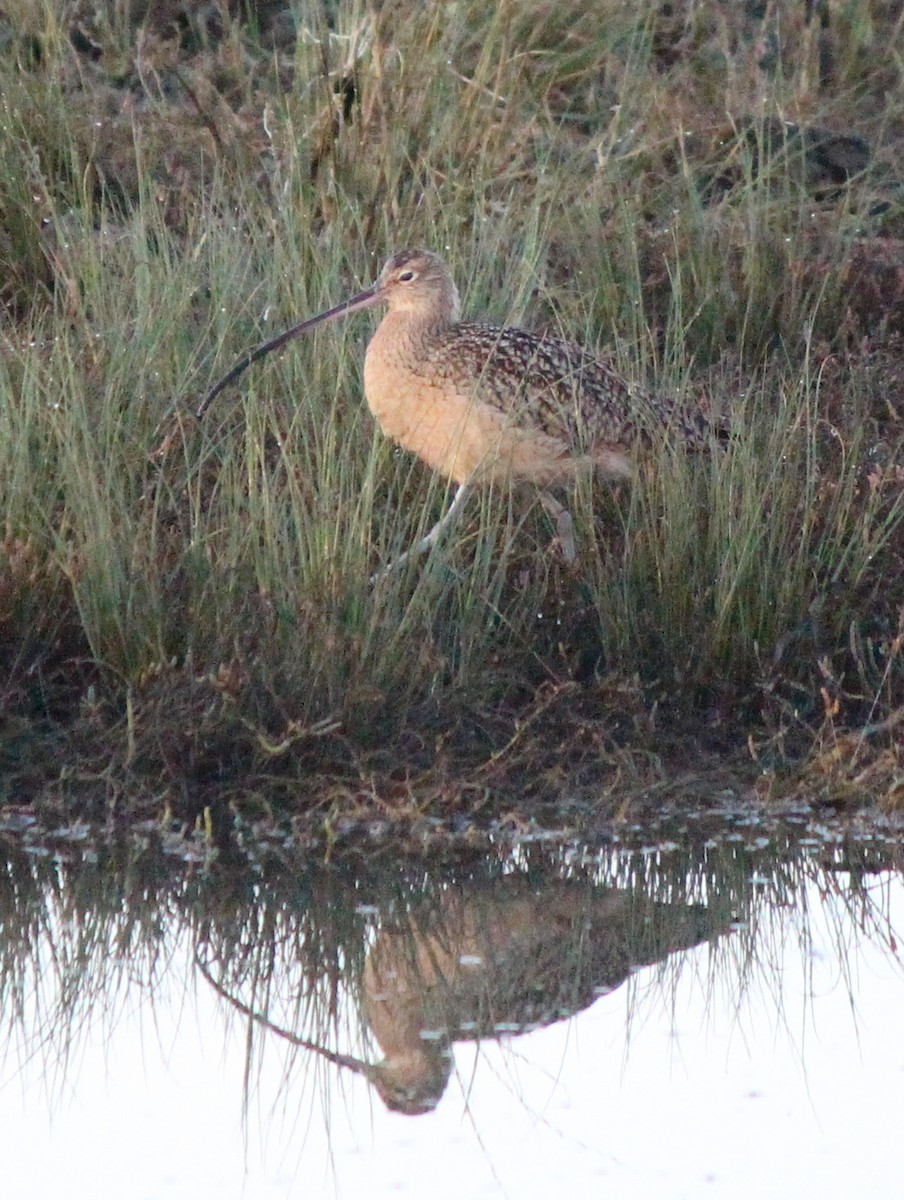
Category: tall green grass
[232,559]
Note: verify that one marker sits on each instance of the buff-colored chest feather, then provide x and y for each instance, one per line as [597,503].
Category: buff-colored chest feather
[451,425]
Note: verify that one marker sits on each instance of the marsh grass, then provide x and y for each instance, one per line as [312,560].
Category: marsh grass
[730,554]
[210,582]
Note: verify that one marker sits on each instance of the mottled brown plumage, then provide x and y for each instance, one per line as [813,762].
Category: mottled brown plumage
[479,403]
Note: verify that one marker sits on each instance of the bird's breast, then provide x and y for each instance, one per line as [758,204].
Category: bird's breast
[427,407]
[450,432]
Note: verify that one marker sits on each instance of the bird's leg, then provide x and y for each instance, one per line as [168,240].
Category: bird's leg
[458,500]
[564,527]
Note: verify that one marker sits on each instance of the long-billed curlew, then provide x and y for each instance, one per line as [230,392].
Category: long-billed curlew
[479,403]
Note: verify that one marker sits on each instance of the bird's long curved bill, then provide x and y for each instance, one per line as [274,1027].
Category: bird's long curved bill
[372,295]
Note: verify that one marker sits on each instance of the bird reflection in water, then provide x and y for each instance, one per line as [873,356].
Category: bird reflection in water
[493,962]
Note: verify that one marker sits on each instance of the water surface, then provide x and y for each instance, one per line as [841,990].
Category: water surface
[713,1012]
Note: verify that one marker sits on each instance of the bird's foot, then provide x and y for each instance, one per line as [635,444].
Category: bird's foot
[564,539]
[428,540]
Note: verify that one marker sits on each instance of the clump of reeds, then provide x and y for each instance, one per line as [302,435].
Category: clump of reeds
[215,576]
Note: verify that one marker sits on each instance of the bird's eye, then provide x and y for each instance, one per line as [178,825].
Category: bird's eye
[406,276]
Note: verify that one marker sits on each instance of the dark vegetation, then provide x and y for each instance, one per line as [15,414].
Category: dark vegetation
[709,193]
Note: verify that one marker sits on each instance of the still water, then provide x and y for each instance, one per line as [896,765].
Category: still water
[716,1011]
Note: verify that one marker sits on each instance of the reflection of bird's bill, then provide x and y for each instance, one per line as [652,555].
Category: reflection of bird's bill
[341,1060]
[411,1087]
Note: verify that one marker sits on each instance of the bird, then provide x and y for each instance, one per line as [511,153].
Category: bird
[482,403]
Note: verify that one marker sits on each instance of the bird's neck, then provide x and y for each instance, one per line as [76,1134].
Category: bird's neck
[408,330]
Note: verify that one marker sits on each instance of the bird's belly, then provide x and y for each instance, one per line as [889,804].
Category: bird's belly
[461,436]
